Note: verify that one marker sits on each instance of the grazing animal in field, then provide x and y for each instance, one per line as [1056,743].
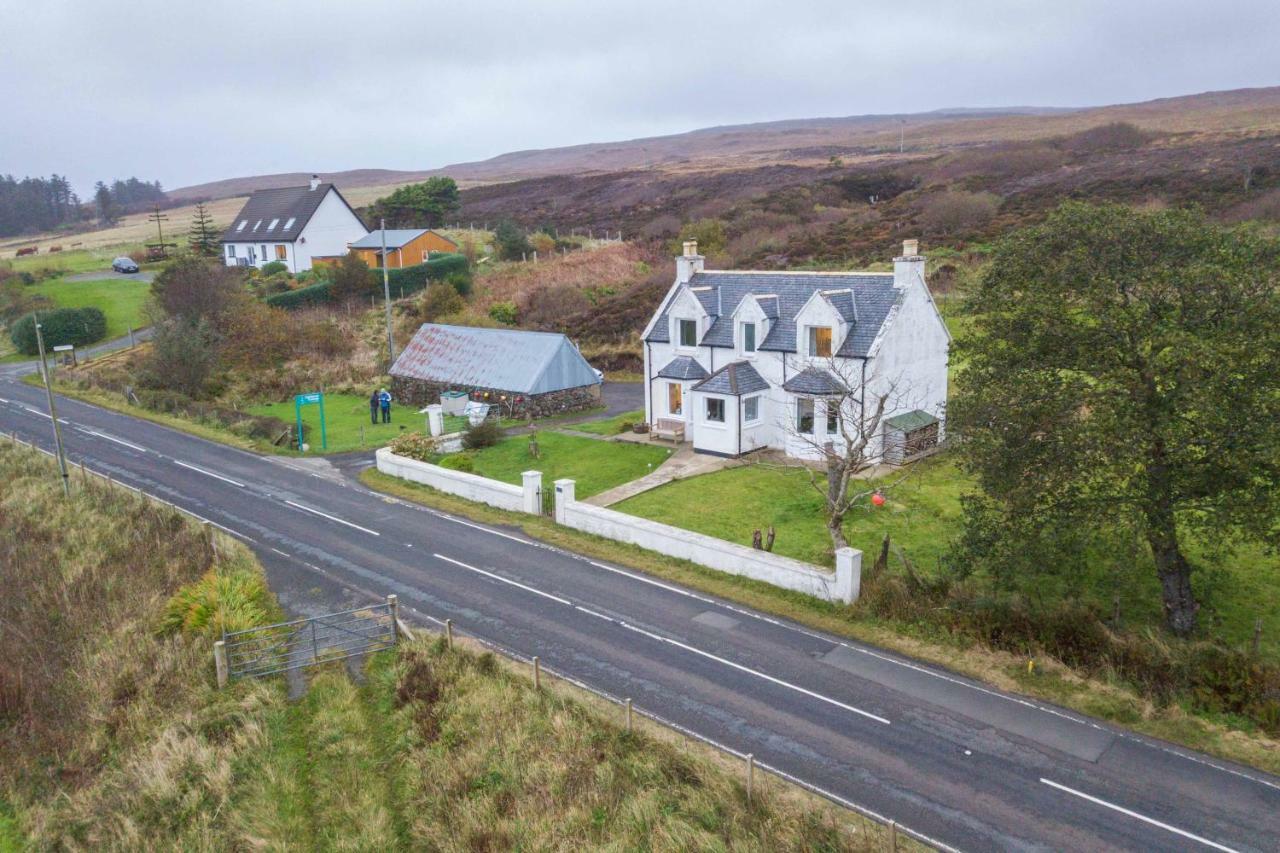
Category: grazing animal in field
[73,245]
[29,250]
[53,249]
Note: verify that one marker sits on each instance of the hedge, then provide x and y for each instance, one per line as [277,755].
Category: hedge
[403,282]
[76,326]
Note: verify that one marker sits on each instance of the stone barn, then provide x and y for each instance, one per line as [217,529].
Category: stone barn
[520,373]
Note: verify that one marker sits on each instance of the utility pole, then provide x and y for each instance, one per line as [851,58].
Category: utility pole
[386,293]
[902,129]
[53,412]
[158,218]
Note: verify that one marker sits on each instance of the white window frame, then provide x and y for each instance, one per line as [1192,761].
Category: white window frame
[680,321]
[750,418]
[231,250]
[832,406]
[813,416]
[707,410]
[680,413]
[755,339]
[810,338]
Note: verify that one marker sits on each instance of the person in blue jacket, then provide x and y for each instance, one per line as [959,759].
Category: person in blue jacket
[374,405]
[384,402]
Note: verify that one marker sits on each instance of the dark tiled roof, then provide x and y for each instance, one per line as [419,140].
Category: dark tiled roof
[814,380]
[281,205]
[865,306]
[683,367]
[736,378]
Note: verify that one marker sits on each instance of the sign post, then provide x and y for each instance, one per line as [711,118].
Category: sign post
[316,397]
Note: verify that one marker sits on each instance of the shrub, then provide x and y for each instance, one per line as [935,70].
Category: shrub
[194,289]
[1105,138]
[415,445]
[487,433]
[349,279]
[229,600]
[402,281]
[75,326]
[708,232]
[441,301]
[511,242]
[314,294]
[958,211]
[273,267]
[504,312]
[183,356]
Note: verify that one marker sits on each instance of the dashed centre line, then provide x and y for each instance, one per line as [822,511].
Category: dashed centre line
[313,511]
[209,473]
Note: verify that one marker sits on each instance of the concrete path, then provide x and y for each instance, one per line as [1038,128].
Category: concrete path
[111,275]
[679,465]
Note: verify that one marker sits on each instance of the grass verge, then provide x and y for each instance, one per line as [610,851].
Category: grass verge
[1051,681]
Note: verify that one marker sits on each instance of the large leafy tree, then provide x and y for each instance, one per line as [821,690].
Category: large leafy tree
[422,205]
[1124,370]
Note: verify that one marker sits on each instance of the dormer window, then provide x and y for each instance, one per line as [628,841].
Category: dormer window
[243,223]
[820,342]
[749,337]
[688,330]
[289,224]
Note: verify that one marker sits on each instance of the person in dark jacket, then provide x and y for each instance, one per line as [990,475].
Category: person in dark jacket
[384,400]
[374,404]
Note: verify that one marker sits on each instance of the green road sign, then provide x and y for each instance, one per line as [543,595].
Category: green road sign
[315,397]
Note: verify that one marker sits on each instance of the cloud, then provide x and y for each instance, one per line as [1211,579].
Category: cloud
[188,92]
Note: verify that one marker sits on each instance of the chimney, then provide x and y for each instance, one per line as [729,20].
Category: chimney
[315,181]
[688,263]
[909,266]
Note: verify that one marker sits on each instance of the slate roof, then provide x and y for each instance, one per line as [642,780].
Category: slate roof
[503,359]
[736,378]
[396,238]
[683,367]
[865,306]
[281,205]
[814,380]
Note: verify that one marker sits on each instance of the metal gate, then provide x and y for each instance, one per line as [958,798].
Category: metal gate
[273,649]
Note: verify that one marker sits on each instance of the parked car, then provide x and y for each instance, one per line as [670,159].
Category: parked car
[126,265]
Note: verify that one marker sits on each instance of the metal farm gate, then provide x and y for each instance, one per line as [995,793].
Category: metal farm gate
[273,649]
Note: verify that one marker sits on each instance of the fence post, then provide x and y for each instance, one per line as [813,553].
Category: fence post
[893,836]
[751,773]
[448,632]
[393,604]
[532,483]
[209,540]
[628,715]
[564,496]
[220,661]
[1257,634]
[537,673]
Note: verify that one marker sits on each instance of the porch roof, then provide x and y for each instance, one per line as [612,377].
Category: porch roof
[735,379]
[683,367]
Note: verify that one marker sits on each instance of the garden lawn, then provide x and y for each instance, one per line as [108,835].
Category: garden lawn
[121,300]
[922,513]
[345,415]
[596,465]
[610,426]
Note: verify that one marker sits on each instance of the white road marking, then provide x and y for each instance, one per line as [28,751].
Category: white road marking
[332,518]
[209,473]
[508,581]
[128,444]
[757,673]
[282,553]
[1215,845]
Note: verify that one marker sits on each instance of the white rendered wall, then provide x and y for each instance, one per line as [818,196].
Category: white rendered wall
[470,486]
[331,229]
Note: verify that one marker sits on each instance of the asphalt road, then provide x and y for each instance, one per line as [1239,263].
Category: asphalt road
[969,767]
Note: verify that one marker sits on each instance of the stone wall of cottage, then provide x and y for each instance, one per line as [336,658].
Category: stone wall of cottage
[419,393]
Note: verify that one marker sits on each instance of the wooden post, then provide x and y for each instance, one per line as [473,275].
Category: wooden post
[208,538]
[537,673]
[111,484]
[84,475]
[751,772]
[1257,634]
[628,715]
[220,662]
[393,604]
[1115,610]
[448,632]
[132,342]
[893,836]
[362,435]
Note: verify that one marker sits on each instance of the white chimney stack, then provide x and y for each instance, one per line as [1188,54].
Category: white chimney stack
[688,263]
[315,181]
[908,268]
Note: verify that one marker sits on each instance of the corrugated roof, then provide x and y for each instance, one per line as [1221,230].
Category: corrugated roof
[814,380]
[683,367]
[396,238]
[504,359]
[736,378]
[912,420]
[865,307]
[279,205]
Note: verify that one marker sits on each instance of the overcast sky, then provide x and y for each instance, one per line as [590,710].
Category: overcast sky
[188,92]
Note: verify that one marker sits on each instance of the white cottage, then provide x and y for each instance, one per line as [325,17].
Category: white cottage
[740,360]
[293,225]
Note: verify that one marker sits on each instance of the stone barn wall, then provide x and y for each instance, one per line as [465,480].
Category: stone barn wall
[420,392]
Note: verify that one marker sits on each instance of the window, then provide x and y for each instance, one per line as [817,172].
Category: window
[804,416]
[273,224]
[675,398]
[264,251]
[231,251]
[426,255]
[820,342]
[751,409]
[243,223]
[688,333]
[257,225]
[748,337]
[289,224]
[833,417]
[282,253]
[715,410]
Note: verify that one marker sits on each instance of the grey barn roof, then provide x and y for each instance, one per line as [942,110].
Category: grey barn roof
[683,367]
[503,359]
[396,238]
[814,380]
[736,378]
[281,205]
[865,306]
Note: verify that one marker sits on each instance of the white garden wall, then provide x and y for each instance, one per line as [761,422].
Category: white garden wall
[470,486]
[842,585]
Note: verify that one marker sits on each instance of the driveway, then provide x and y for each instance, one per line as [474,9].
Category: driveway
[111,275]
[620,397]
